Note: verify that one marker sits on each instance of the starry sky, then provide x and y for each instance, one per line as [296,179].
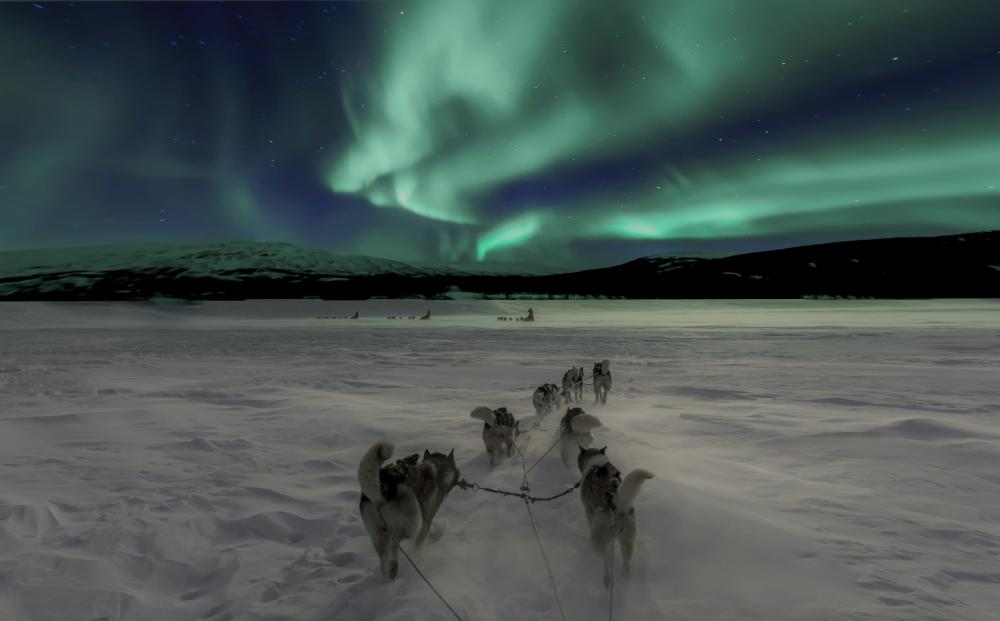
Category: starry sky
[568,133]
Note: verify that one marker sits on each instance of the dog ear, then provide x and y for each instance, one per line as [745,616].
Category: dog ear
[582,450]
[427,454]
[451,456]
[604,450]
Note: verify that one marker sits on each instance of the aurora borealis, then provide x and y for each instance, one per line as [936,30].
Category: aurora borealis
[563,132]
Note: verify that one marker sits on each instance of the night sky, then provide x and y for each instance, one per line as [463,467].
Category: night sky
[567,133]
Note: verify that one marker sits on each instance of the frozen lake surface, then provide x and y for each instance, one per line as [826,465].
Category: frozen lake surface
[813,459]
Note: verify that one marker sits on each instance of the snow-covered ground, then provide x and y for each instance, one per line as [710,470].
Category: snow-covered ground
[813,460]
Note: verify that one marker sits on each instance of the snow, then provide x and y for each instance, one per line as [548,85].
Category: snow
[666,263]
[228,261]
[489,267]
[813,459]
[53,269]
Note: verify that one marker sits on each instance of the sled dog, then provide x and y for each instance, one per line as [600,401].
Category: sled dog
[602,380]
[608,503]
[400,500]
[572,385]
[500,432]
[575,428]
[546,398]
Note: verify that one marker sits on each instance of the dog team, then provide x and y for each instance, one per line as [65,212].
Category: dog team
[399,500]
[426,315]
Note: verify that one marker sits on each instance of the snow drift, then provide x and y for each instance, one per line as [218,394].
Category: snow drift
[813,460]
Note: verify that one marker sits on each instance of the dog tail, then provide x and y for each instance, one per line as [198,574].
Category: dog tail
[368,469]
[485,414]
[582,423]
[629,490]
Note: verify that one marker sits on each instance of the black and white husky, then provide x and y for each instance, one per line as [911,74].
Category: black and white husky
[572,385]
[500,432]
[575,427]
[546,398]
[608,503]
[602,380]
[400,500]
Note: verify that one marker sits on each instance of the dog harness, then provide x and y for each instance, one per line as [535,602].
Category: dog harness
[605,485]
[414,474]
[417,481]
[503,417]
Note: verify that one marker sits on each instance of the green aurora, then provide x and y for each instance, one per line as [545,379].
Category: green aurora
[563,132]
[471,96]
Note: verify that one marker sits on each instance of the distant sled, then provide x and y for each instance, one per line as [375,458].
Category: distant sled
[529,317]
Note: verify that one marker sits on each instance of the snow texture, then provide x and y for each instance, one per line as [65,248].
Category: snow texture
[813,459]
[51,268]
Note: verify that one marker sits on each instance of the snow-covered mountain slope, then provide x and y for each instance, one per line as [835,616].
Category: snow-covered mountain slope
[490,268]
[197,259]
[914,267]
[68,269]
[668,263]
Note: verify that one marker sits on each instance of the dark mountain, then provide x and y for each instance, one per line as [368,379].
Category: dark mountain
[907,267]
[913,267]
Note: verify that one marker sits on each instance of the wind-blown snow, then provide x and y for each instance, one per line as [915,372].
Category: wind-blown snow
[813,459]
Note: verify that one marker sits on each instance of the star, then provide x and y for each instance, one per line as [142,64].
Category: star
[434,133]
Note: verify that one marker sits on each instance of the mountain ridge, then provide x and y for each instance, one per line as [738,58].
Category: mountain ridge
[966,265]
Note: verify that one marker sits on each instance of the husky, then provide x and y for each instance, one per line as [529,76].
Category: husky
[400,500]
[608,504]
[545,399]
[572,385]
[602,380]
[500,432]
[575,427]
